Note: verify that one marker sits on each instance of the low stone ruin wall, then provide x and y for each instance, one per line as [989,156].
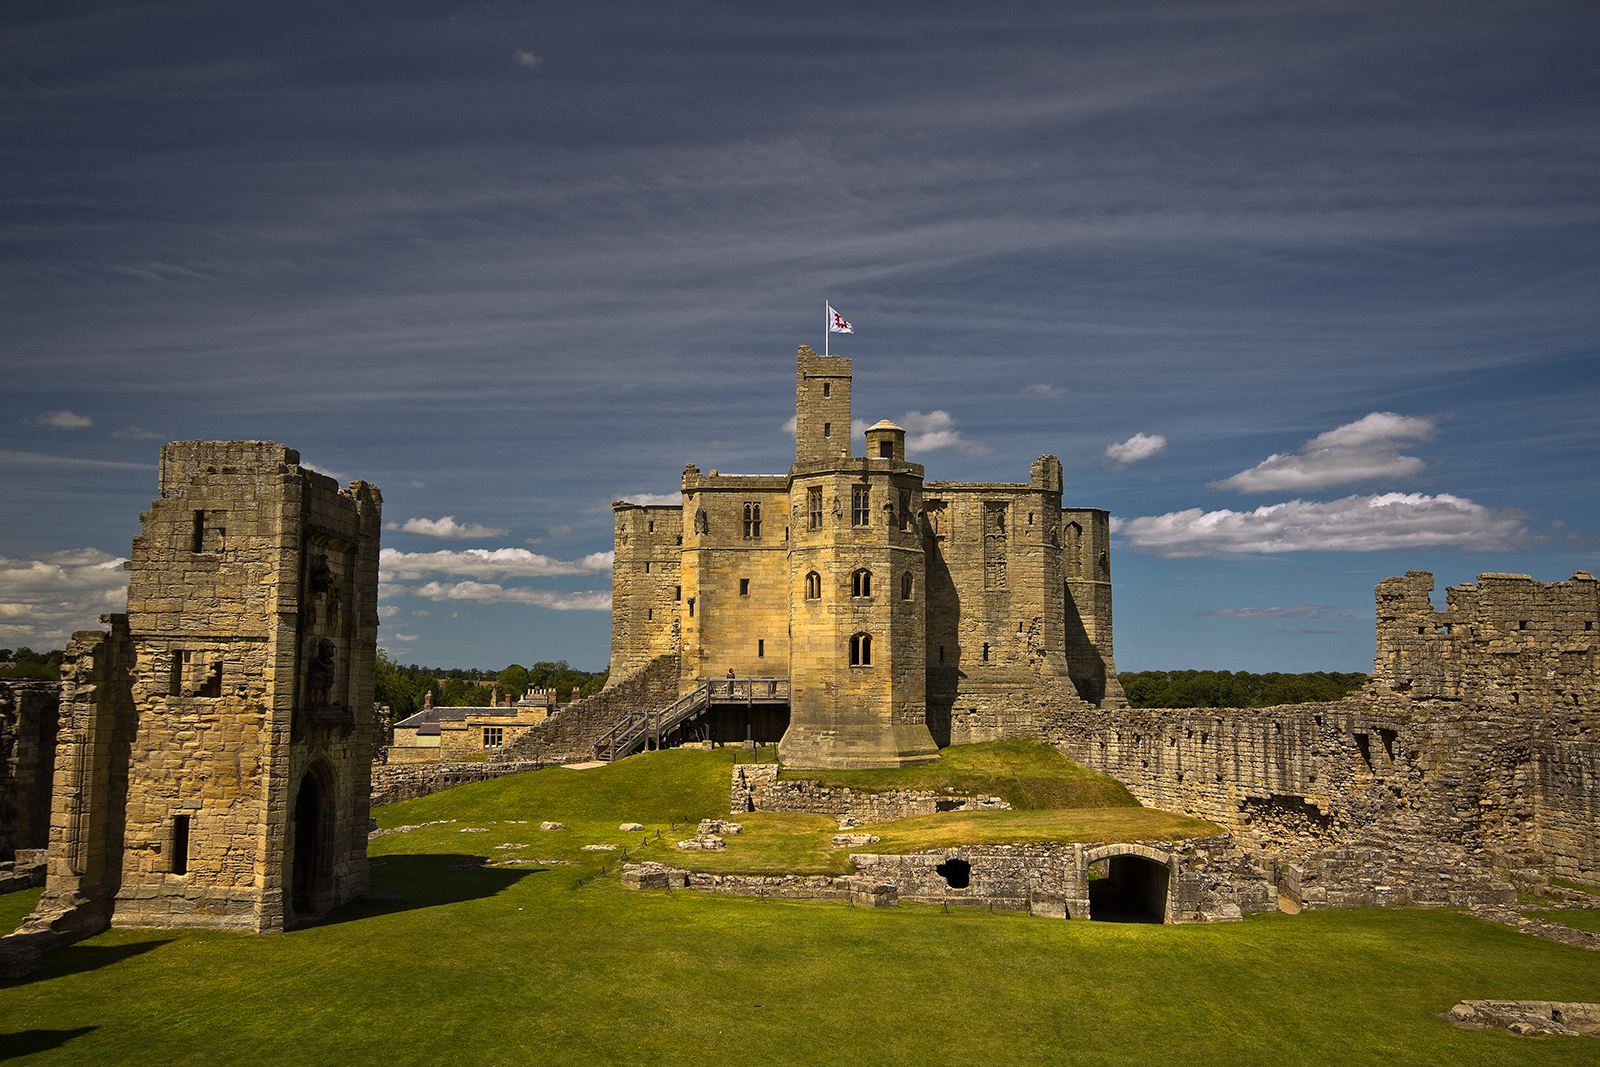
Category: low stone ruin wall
[1201,880]
[30,714]
[756,787]
[395,782]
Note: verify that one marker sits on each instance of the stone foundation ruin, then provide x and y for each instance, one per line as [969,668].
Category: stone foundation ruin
[213,755]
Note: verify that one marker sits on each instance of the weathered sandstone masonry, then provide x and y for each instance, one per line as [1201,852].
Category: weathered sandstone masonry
[30,714]
[907,614]
[213,764]
[756,787]
[1476,743]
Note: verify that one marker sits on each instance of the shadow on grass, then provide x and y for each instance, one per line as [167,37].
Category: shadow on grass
[78,958]
[426,881]
[27,1042]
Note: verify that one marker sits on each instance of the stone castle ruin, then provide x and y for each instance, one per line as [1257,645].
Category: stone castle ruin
[893,615]
[213,747]
[206,760]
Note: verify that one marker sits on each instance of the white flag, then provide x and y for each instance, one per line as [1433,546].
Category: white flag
[836,323]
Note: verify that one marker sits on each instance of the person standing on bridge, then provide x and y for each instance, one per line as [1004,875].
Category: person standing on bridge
[730,681]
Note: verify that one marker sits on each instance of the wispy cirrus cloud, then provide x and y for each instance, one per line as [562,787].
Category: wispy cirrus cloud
[447,528]
[653,499]
[1288,611]
[1351,524]
[1044,389]
[1366,450]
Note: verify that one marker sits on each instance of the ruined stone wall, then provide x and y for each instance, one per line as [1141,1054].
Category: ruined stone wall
[29,719]
[756,787]
[1479,734]
[393,783]
[569,735]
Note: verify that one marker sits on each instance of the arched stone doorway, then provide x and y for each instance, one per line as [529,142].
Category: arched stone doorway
[1130,884]
[311,877]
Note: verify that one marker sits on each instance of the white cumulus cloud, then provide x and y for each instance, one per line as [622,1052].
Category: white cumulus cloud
[491,593]
[64,420]
[447,528]
[1366,450]
[936,430]
[1139,446]
[526,59]
[396,566]
[1351,524]
[44,599]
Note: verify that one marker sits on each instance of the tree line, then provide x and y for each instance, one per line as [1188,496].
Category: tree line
[404,688]
[31,664]
[1234,689]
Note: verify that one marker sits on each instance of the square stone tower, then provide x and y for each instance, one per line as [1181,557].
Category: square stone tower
[214,764]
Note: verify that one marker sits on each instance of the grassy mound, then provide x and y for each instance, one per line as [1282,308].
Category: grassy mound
[1029,775]
[670,791]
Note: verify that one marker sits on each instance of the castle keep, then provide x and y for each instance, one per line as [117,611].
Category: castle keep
[213,762]
[906,614]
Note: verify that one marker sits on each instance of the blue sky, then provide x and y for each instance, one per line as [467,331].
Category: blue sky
[1303,293]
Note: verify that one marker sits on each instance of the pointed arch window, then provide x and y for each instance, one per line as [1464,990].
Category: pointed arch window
[752,520]
[861,650]
[861,583]
[907,584]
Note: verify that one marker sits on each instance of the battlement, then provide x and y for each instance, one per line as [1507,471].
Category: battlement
[1505,640]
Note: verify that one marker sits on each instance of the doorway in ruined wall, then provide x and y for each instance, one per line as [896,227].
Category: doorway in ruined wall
[1128,888]
[311,882]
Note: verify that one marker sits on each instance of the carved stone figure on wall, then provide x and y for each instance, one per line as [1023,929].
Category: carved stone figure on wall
[320,675]
[701,523]
[321,577]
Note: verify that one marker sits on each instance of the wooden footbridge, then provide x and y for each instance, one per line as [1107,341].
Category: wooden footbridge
[644,730]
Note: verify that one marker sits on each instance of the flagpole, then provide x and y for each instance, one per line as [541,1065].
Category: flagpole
[826,323]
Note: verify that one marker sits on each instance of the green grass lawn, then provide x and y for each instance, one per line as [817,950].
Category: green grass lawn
[487,965]
[1029,775]
[1578,920]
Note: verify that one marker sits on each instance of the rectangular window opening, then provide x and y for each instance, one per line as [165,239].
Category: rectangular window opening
[677,592]
[827,429]
[175,672]
[180,844]
[827,388]
[885,449]
[814,507]
[761,649]
[860,506]
[199,543]
[744,587]
[212,686]
[494,736]
[649,614]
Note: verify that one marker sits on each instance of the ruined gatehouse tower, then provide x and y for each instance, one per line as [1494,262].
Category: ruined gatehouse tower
[906,614]
[213,766]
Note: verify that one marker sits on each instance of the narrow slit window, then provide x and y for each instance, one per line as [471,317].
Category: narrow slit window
[691,607]
[175,672]
[827,429]
[649,614]
[744,587]
[986,652]
[199,532]
[941,653]
[827,388]
[761,649]
[814,507]
[677,593]
[180,844]
[647,566]
[906,586]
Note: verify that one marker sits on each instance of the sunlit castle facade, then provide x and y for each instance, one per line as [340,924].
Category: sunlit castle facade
[907,614]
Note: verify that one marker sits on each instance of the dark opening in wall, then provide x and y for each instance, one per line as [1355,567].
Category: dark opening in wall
[1388,738]
[1522,624]
[885,449]
[1134,890]
[175,673]
[180,844]
[649,613]
[941,653]
[691,607]
[957,874]
[761,649]
[744,587]
[212,686]
[199,543]
[1364,746]
[986,652]
[827,388]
